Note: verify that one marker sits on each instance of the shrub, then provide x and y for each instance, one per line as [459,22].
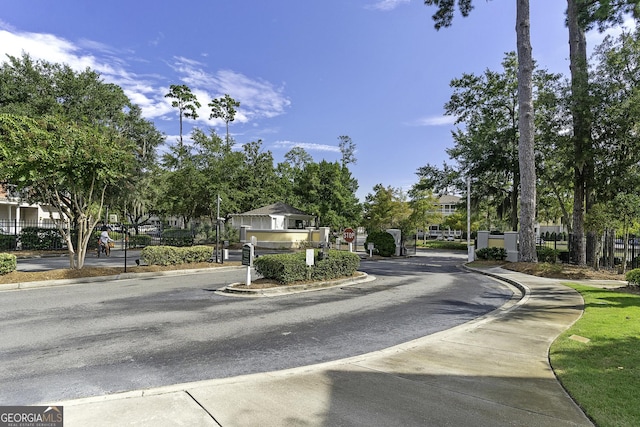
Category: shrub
[546,254]
[493,254]
[563,256]
[283,268]
[290,268]
[37,238]
[7,242]
[171,255]
[8,263]
[139,240]
[633,276]
[383,243]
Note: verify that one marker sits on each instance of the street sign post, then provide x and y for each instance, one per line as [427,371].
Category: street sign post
[349,235]
[247,259]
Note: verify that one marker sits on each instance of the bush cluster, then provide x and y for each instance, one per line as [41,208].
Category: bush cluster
[8,263]
[546,254]
[7,242]
[172,255]
[633,277]
[493,254]
[38,238]
[139,240]
[290,268]
[383,243]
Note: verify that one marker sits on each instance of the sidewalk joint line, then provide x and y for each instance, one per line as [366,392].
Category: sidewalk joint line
[203,408]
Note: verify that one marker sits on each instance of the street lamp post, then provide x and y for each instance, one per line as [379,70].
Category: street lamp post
[470,249]
[217,226]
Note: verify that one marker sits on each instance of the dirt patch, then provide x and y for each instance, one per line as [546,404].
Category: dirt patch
[562,271]
[21,276]
[270,283]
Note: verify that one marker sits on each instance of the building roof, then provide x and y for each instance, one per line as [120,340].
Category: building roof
[276,209]
[448,199]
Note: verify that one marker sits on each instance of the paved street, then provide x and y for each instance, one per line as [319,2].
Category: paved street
[100,338]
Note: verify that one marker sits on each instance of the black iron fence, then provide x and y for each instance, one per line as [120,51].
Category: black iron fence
[44,235]
[611,252]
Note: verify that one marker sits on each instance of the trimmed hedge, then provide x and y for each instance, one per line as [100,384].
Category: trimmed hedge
[8,263]
[38,238]
[546,254]
[290,268]
[383,243]
[8,242]
[493,254]
[172,255]
[139,240]
[633,276]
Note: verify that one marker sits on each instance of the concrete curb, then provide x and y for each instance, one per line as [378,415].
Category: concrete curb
[284,290]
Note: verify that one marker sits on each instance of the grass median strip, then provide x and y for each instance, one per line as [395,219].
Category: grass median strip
[598,358]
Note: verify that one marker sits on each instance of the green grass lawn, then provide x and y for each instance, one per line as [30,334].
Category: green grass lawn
[603,375]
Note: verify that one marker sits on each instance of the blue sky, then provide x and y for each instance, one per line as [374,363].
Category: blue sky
[304,71]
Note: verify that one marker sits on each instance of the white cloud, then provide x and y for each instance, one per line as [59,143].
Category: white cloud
[258,98]
[434,121]
[386,5]
[308,146]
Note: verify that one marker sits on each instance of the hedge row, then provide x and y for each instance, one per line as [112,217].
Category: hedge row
[290,268]
[171,255]
[494,254]
[7,242]
[8,263]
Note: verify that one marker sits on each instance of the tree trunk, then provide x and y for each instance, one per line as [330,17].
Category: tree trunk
[581,129]
[526,155]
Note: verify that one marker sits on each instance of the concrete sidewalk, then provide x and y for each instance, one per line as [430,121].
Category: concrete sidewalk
[493,371]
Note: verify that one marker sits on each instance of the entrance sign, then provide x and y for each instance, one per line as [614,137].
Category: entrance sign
[349,235]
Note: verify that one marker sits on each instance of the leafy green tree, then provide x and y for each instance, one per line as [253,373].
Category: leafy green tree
[424,209]
[627,209]
[137,195]
[616,111]
[224,108]
[258,182]
[347,150]
[488,147]
[289,172]
[444,18]
[66,166]
[221,167]
[600,219]
[554,168]
[441,181]
[298,158]
[583,15]
[386,208]
[187,104]
[87,133]
[327,190]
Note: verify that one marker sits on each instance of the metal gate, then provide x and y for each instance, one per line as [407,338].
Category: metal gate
[409,246]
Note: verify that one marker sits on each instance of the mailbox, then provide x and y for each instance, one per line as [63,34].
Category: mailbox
[247,254]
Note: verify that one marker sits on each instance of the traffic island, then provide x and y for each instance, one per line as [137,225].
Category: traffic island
[260,288]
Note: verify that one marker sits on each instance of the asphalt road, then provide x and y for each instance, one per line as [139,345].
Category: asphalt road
[94,339]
